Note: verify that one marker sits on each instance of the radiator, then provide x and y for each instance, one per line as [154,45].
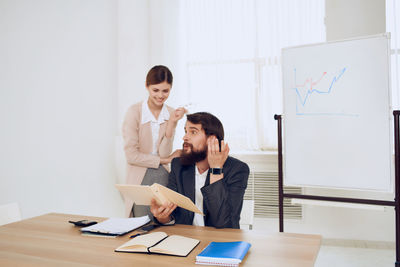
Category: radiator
[262,187]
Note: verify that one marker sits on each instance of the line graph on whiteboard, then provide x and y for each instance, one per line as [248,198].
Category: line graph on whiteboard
[320,94]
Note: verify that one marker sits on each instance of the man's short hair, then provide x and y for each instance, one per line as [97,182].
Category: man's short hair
[210,124]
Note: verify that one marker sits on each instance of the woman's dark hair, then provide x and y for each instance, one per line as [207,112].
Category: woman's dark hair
[210,124]
[159,74]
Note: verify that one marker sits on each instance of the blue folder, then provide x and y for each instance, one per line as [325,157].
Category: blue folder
[223,253]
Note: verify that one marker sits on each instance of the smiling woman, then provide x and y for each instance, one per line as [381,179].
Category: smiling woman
[148,132]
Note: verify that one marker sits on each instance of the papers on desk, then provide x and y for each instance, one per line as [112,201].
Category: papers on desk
[223,253]
[116,226]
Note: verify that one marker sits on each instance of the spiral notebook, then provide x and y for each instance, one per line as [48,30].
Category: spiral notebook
[223,253]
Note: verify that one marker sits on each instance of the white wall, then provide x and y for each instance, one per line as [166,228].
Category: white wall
[58,102]
[133,54]
[351,18]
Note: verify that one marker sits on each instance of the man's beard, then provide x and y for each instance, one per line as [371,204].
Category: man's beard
[189,158]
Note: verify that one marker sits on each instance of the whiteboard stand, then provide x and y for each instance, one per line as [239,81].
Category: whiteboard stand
[395,203]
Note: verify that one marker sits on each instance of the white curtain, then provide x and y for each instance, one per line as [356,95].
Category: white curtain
[232,60]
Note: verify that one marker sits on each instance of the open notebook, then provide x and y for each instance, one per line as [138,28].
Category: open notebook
[160,243]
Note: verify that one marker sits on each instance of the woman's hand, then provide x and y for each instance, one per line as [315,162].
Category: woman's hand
[178,114]
[173,121]
[175,154]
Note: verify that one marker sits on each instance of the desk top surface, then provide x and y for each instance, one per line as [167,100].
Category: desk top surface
[49,240]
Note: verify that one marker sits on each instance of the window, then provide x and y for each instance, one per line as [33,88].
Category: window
[232,57]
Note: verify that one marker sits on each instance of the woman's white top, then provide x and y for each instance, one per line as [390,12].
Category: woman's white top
[147,116]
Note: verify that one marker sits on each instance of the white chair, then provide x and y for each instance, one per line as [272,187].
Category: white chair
[247,215]
[9,213]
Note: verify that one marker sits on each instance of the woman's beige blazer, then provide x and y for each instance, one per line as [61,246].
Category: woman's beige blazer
[138,145]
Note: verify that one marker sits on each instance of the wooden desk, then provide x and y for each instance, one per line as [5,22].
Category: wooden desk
[49,240]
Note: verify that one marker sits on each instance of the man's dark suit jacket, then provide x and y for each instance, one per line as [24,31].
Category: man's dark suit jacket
[222,200]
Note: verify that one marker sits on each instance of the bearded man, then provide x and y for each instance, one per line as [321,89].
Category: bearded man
[205,173]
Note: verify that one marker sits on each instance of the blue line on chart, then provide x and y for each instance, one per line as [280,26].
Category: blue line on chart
[311,90]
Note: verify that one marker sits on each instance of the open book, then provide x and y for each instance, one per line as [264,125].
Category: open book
[142,195]
[160,243]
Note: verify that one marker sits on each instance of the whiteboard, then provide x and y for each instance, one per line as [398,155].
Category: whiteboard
[337,116]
